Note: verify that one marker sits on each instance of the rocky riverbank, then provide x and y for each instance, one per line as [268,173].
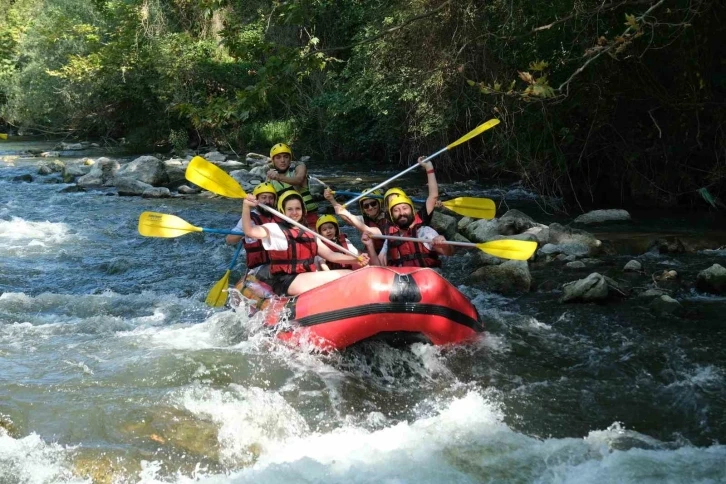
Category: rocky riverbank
[573,264]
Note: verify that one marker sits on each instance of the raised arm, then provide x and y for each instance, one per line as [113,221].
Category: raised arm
[432,183]
[251,230]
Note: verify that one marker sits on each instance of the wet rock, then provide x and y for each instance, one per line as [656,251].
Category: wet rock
[633,266]
[187,190]
[230,165]
[594,287]
[652,293]
[575,249]
[540,232]
[130,186]
[71,172]
[444,224]
[548,286]
[481,259]
[712,280]
[176,175]
[514,222]
[70,146]
[463,223]
[44,170]
[482,230]
[102,172]
[459,238]
[72,189]
[664,305]
[304,159]
[561,235]
[23,178]
[146,169]
[260,171]
[510,277]
[156,192]
[214,156]
[575,265]
[601,216]
[256,159]
[667,245]
[50,154]
[316,188]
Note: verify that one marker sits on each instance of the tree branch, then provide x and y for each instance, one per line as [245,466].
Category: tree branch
[385,32]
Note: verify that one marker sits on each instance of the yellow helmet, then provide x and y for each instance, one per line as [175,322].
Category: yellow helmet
[398,200]
[368,195]
[394,191]
[280,148]
[285,196]
[326,219]
[264,187]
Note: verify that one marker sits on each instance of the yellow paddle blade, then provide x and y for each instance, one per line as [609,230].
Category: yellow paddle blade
[3,136]
[154,224]
[472,207]
[509,249]
[474,132]
[213,178]
[218,294]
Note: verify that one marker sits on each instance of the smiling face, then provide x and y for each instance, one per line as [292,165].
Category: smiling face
[281,162]
[267,198]
[371,207]
[294,209]
[402,215]
[328,230]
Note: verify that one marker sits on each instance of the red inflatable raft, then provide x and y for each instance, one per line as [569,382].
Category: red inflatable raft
[398,305]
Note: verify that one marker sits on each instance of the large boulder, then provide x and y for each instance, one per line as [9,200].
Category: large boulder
[215,156]
[316,188]
[594,287]
[102,172]
[712,280]
[444,224]
[260,171]
[463,223]
[146,169]
[482,230]
[71,172]
[514,222]
[664,305]
[561,235]
[126,186]
[156,192]
[601,216]
[509,277]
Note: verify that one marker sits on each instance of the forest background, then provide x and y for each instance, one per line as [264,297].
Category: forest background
[601,102]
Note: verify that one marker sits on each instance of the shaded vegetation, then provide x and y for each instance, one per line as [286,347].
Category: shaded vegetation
[616,102]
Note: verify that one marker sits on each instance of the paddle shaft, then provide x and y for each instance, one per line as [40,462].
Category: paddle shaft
[301,226]
[236,255]
[354,194]
[427,241]
[221,231]
[384,183]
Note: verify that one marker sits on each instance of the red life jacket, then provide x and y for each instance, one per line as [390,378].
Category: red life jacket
[256,254]
[299,256]
[343,242]
[410,254]
[381,223]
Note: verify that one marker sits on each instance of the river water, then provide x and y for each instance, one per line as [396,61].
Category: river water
[114,370]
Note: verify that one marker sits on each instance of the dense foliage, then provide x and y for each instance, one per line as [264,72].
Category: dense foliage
[619,101]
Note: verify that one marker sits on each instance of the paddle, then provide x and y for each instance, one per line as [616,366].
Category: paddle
[212,178]
[506,249]
[467,206]
[3,136]
[475,132]
[154,224]
[218,294]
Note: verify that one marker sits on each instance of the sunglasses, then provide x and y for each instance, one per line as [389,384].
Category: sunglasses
[372,204]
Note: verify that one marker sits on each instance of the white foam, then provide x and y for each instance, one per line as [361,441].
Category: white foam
[33,461]
[17,235]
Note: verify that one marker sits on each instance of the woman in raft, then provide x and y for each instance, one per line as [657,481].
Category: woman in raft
[292,250]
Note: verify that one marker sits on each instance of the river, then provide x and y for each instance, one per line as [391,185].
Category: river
[114,370]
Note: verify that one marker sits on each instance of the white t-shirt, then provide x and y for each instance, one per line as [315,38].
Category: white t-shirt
[423,232]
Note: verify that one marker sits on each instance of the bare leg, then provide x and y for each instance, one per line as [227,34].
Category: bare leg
[310,280]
